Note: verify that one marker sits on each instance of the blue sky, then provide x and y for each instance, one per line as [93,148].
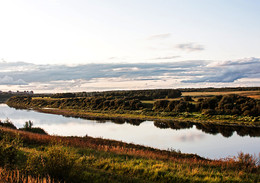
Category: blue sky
[69,33]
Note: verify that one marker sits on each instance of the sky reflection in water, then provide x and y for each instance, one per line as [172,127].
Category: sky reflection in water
[189,140]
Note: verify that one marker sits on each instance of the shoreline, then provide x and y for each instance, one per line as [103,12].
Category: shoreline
[107,115]
[115,160]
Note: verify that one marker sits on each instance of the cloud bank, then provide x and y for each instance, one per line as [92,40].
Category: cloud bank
[93,77]
[7,80]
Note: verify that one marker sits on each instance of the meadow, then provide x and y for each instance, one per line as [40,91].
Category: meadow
[36,157]
[252,94]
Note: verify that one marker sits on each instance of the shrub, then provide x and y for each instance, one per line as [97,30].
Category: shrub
[248,161]
[28,127]
[57,162]
[34,130]
[7,123]
[35,164]
[187,98]
[9,150]
[208,111]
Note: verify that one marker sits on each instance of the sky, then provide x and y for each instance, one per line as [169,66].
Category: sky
[90,45]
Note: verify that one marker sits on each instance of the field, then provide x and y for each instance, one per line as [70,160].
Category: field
[252,94]
[86,159]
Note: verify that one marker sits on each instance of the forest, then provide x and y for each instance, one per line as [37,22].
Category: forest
[136,94]
[223,105]
[216,105]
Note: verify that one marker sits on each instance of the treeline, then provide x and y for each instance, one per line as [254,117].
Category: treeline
[211,89]
[4,96]
[136,94]
[216,105]
[93,103]
[222,105]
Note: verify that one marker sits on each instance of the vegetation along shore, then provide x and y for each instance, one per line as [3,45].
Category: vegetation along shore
[27,156]
[219,107]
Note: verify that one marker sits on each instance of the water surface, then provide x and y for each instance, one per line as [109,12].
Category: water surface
[208,141]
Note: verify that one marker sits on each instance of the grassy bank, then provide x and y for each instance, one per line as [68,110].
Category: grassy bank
[86,159]
[132,116]
[220,109]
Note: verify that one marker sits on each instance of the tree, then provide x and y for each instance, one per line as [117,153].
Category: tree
[28,124]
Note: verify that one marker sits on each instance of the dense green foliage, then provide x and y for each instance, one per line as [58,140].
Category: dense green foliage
[9,150]
[135,94]
[226,105]
[221,105]
[55,161]
[7,123]
[4,96]
[63,95]
[28,127]
[94,103]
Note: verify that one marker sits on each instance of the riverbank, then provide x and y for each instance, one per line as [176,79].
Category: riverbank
[135,116]
[90,159]
[229,110]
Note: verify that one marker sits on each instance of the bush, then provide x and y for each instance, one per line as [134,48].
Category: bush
[7,123]
[208,111]
[248,161]
[9,150]
[35,164]
[187,98]
[28,127]
[57,162]
[34,130]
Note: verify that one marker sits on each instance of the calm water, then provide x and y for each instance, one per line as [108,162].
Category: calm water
[207,141]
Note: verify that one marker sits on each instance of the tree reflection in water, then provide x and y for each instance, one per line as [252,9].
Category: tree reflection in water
[226,131]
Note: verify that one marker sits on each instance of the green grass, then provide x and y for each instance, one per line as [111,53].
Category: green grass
[75,159]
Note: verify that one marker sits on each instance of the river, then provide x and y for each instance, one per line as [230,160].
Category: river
[207,141]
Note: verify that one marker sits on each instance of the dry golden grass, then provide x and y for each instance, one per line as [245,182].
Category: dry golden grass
[252,94]
[16,176]
[104,145]
[118,147]
[122,158]
[45,98]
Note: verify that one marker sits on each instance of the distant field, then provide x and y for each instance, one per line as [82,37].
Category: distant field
[252,94]
[196,95]
[45,98]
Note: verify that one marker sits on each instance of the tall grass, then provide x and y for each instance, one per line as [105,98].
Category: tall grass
[75,159]
[18,176]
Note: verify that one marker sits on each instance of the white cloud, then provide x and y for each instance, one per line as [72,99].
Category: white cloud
[126,69]
[7,80]
[229,71]
[93,77]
